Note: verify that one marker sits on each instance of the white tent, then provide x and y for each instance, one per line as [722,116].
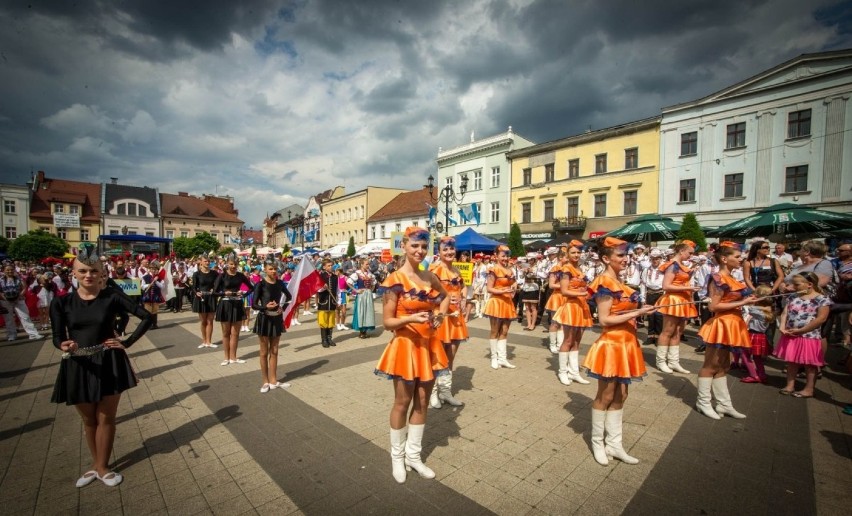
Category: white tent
[374,246]
[338,249]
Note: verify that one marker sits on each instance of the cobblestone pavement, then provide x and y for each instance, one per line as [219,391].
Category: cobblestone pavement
[195,437]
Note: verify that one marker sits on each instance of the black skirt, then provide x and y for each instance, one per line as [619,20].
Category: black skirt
[87,379]
[529,295]
[206,304]
[230,310]
[269,325]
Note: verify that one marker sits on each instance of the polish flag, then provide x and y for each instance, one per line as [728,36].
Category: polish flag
[166,275]
[305,283]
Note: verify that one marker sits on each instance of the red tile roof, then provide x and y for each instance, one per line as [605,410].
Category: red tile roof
[406,204]
[186,206]
[48,190]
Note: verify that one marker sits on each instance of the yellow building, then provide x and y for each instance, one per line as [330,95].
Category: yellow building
[347,216]
[586,184]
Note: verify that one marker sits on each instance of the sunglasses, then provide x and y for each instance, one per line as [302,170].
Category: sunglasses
[764,247]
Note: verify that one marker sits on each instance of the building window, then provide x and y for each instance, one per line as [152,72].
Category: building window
[495,177]
[796,179]
[121,209]
[11,232]
[143,211]
[373,233]
[62,233]
[84,235]
[382,228]
[548,210]
[548,173]
[630,199]
[9,207]
[631,158]
[573,168]
[736,136]
[600,205]
[573,208]
[799,124]
[131,209]
[477,180]
[600,163]
[151,233]
[526,212]
[495,212]
[170,233]
[73,209]
[449,181]
[733,185]
[113,231]
[527,176]
[58,208]
[399,226]
[689,144]
[687,190]
[184,234]
[132,232]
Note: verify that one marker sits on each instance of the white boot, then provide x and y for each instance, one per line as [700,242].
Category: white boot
[434,402]
[397,451]
[614,448]
[574,368]
[674,359]
[551,336]
[444,386]
[662,352]
[723,399]
[560,338]
[502,361]
[702,404]
[495,364]
[413,445]
[563,368]
[598,448]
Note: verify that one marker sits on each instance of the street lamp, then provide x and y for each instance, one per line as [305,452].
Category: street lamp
[448,195]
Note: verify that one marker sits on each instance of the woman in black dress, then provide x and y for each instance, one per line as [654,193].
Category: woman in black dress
[94,369]
[269,323]
[203,300]
[230,311]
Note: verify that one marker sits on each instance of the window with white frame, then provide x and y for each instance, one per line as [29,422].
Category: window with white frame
[62,233]
[9,207]
[495,177]
[477,180]
[170,233]
[73,209]
[84,235]
[398,226]
[58,208]
[11,232]
[495,211]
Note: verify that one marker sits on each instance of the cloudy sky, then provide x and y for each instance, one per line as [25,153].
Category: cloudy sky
[273,101]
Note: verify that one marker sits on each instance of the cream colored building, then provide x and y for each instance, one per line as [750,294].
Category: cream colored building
[586,184]
[347,216]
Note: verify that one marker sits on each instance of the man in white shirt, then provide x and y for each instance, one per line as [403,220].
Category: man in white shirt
[784,258]
[651,289]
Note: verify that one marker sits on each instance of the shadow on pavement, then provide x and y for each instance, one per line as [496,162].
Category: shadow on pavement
[29,427]
[154,406]
[151,373]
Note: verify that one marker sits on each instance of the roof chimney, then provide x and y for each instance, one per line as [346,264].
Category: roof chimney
[183,194]
[113,180]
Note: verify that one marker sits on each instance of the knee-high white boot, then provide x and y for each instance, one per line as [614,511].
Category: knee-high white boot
[413,445]
[574,368]
[662,356]
[495,364]
[397,451]
[551,336]
[502,361]
[434,400]
[444,386]
[563,368]
[614,448]
[702,404]
[673,357]
[723,399]
[598,447]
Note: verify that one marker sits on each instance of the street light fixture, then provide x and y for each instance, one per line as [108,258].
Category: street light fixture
[448,195]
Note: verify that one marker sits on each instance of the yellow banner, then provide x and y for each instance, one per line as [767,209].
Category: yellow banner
[466,270]
[130,286]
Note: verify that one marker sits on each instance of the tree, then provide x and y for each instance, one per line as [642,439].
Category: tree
[4,244]
[37,244]
[201,243]
[516,243]
[690,230]
[207,241]
[350,251]
[225,251]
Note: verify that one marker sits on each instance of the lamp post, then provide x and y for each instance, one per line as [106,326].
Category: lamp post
[448,195]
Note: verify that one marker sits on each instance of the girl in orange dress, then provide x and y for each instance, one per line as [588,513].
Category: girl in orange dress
[725,331]
[574,315]
[615,359]
[555,301]
[414,304]
[453,330]
[677,284]
[500,308]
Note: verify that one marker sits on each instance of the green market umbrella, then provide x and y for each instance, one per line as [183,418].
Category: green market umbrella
[647,228]
[789,220]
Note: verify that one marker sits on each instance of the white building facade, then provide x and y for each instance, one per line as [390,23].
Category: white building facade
[784,135]
[15,200]
[489,182]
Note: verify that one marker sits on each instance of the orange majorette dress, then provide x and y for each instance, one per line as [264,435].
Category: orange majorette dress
[616,355]
[556,299]
[500,306]
[413,353]
[453,329]
[682,278]
[727,329]
[575,311]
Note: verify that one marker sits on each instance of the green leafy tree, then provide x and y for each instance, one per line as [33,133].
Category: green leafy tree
[285,249]
[225,251]
[4,244]
[253,253]
[201,243]
[37,244]
[207,242]
[516,243]
[350,251]
[690,230]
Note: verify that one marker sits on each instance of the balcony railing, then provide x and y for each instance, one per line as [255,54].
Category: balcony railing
[569,223]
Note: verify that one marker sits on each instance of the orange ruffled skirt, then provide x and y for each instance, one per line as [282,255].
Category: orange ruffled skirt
[575,313]
[726,330]
[555,301]
[410,356]
[682,311]
[453,329]
[500,307]
[616,356]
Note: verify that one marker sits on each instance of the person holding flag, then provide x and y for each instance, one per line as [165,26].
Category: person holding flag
[304,283]
[268,299]
[327,303]
[153,289]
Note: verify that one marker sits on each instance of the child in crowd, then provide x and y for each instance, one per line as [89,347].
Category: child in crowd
[759,317]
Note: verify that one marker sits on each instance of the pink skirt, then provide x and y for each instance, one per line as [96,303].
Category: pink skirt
[800,350]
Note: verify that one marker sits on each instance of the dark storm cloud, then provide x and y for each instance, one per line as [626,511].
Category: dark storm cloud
[388,97]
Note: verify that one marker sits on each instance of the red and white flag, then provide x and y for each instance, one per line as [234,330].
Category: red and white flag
[305,283]
[166,275]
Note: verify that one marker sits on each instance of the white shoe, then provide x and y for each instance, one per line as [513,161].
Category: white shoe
[563,368]
[674,359]
[211,345]
[434,402]
[397,451]
[702,404]
[238,361]
[598,447]
[614,448]
[202,345]
[444,385]
[723,399]
[502,361]
[307,313]
[265,388]
[574,368]
[225,362]
[662,356]
[413,446]
[494,362]
[36,336]
[296,322]
[279,385]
